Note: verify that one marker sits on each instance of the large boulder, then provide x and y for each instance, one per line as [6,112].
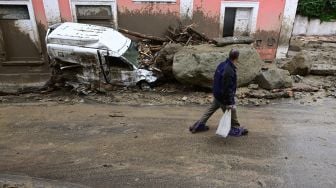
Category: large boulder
[195,65]
[299,65]
[164,60]
[274,78]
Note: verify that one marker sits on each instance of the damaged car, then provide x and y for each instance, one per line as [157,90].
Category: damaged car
[90,55]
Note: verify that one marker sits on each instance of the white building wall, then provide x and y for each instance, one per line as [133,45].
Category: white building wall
[186,8]
[304,26]
[286,28]
[52,11]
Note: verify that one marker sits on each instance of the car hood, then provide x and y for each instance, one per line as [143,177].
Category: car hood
[90,36]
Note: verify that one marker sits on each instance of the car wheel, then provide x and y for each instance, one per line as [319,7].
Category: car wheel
[143,85]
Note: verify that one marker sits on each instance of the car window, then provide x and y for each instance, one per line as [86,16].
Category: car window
[118,63]
[132,54]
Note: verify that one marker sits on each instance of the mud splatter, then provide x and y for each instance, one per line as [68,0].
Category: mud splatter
[266,43]
[18,45]
[147,21]
[206,24]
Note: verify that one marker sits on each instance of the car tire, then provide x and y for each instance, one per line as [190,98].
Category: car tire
[145,86]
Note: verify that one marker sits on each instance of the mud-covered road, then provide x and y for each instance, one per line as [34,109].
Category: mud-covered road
[100,145]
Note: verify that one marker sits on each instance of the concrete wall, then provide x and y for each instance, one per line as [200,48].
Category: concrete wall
[286,28]
[304,26]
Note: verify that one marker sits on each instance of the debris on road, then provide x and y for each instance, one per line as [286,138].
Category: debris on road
[184,55]
[323,69]
[274,79]
[299,65]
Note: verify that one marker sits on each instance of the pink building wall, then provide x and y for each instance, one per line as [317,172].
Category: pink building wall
[269,26]
[147,18]
[64,6]
[39,12]
[155,18]
[207,13]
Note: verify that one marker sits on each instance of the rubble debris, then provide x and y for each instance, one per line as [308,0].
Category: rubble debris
[297,78]
[253,86]
[232,40]
[299,65]
[195,65]
[186,35]
[142,36]
[85,60]
[88,72]
[264,94]
[296,44]
[274,79]
[323,69]
[301,87]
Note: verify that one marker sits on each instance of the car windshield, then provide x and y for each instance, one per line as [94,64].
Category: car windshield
[132,54]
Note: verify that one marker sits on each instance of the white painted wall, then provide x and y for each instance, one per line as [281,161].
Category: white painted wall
[286,28]
[303,26]
[52,10]
[186,8]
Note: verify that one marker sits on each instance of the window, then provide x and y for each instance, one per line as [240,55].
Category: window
[14,12]
[117,63]
[95,14]
[98,12]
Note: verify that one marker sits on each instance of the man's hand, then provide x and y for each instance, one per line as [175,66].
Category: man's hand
[230,107]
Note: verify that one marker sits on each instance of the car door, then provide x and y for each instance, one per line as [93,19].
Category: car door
[121,72]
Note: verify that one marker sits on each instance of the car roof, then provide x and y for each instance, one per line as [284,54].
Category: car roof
[89,36]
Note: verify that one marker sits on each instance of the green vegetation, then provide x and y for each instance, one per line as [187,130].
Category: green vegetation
[325,10]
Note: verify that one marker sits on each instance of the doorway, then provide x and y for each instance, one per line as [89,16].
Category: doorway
[238,18]
[18,40]
[229,21]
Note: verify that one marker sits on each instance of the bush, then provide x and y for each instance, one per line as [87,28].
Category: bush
[325,10]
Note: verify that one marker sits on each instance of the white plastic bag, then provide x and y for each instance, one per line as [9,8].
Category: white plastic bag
[224,124]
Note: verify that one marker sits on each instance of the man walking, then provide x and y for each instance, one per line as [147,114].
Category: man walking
[224,90]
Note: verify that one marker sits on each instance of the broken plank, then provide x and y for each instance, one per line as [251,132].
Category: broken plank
[232,40]
[143,36]
[203,36]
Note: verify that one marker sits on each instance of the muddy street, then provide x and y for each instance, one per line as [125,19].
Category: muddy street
[100,145]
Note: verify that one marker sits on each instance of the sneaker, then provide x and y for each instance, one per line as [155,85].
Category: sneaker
[198,127]
[238,131]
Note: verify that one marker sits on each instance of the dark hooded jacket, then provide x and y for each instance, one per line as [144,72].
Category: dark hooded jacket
[225,83]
